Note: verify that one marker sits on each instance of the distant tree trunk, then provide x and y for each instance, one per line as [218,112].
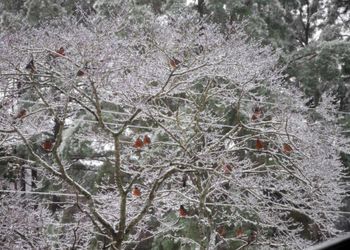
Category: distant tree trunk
[201,7]
[157,6]
[307,25]
[23,178]
[34,178]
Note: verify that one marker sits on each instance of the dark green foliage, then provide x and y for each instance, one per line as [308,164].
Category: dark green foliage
[322,67]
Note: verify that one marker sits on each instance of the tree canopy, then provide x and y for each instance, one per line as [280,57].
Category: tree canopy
[151,125]
[169,128]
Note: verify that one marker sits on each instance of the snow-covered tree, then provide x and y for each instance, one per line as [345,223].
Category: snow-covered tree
[170,129]
[313,34]
[27,223]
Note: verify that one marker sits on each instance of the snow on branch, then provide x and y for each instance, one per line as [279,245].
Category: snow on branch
[177,118]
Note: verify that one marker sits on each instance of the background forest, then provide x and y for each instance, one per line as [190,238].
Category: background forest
[173,124]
